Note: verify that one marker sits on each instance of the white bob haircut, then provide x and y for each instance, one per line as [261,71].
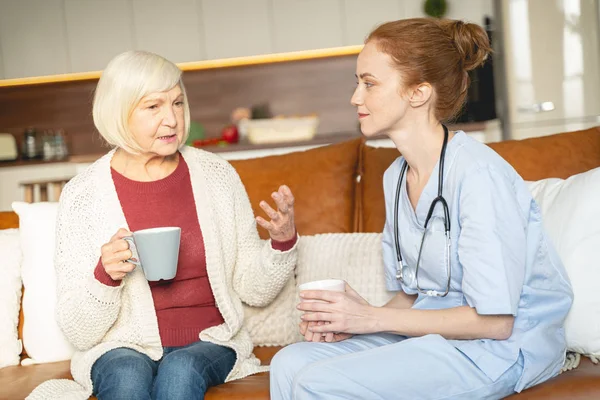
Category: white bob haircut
[126,80]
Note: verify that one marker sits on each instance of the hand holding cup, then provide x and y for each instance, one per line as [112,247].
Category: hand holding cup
[115,254]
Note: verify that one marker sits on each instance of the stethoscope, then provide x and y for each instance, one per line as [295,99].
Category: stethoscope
[403,271]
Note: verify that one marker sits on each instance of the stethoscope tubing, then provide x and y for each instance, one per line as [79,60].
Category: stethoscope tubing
[440,198]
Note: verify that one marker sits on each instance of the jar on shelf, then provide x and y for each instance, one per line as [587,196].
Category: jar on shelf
[29,146]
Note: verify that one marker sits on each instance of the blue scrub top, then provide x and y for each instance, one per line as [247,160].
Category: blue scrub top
[501,259]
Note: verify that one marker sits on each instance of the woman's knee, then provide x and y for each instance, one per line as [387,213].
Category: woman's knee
[182,375]
[293,358]
[181,372]
[123,374]
[182,365]
[198,367]
[307,383]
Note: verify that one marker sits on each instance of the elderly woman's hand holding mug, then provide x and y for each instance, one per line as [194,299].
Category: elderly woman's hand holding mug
[281,227]
[115,253]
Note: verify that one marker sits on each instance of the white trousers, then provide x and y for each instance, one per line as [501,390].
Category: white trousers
[386,367]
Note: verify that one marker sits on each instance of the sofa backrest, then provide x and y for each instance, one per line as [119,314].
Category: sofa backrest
[323,181]
[10,220]
[554,156]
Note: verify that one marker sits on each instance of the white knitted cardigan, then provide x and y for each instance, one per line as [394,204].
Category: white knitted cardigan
[96,318]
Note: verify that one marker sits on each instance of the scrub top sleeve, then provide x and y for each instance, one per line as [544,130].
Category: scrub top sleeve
[492,244]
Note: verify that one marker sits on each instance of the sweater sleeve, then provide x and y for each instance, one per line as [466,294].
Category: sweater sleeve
[86,308]
[261,271]
[286,245]
[103,277]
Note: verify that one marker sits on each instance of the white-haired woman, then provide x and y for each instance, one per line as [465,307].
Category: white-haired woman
[137,339]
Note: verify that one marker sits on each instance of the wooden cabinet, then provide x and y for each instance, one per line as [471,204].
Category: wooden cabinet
[97,31]
[172,29]
[1,65]
[468,10]
[235,28]
[360,17]
[307,24]
[552,63]
[32,38]
[48,37]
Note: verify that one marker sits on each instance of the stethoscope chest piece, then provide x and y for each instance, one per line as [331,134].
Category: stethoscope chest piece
[404,274]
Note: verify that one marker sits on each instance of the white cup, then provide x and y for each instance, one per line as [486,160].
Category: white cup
[335,285]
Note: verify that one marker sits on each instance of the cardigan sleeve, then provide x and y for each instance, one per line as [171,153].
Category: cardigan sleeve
[261,271]
[86,308]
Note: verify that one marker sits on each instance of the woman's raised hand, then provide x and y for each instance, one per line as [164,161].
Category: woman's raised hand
[281,226]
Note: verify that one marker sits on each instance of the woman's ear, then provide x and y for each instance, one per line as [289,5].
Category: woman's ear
[420,95]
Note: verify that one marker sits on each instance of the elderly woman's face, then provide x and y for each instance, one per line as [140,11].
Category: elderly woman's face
[157,122]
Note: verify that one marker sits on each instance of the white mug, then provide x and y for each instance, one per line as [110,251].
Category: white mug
[335,285]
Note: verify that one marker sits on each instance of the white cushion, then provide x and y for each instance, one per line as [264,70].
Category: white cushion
[10,297]
[354,257]
[42,338]
[571,215]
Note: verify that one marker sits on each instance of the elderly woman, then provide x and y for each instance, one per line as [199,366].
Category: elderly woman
[169,339]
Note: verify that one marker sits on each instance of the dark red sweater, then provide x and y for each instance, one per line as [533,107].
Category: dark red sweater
[184,305]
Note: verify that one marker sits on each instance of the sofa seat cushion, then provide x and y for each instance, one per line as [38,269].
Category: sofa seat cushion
[255,387]
[17,382]
[580,383]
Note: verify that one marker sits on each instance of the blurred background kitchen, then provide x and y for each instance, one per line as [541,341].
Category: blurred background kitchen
[271,76]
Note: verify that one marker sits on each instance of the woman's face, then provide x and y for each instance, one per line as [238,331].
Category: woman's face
[157,122]
[377,96]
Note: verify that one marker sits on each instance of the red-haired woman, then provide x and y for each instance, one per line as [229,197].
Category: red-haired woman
[481,295]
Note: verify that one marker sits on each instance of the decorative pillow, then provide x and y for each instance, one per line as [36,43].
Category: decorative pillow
[10,297]
[354,257]
[42,338]
[571,214]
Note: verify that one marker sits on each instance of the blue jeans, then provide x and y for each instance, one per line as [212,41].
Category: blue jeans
[182,373]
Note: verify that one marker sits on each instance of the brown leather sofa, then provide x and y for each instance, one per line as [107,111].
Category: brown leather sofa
[339,189]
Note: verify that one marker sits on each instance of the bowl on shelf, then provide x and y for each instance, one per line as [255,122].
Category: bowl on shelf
[278,130]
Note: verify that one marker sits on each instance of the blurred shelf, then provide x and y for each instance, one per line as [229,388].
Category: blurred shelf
[245,148]
[22,163]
